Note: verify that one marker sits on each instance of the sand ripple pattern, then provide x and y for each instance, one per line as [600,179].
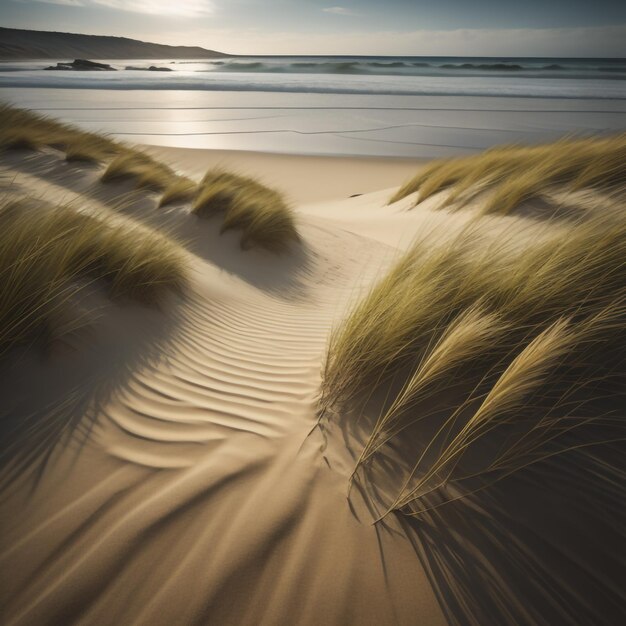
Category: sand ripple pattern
[199,497]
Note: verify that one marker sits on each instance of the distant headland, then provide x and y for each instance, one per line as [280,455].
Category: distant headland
[37,44]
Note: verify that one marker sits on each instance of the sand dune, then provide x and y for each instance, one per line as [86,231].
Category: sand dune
[199,476]
[198,487]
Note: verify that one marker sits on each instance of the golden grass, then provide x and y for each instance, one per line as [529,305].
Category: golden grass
[525,374]
[48,254]
[498,342]
[181,190]
[508,176]
[142,169]
[82,151]
[261,213]
[20,128]
[14,139]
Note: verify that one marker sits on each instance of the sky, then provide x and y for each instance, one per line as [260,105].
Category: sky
[375,27]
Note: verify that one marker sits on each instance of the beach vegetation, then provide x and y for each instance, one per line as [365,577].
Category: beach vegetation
[490,356]
[507,176]
[25,129]
[181,190]
[245,204]
[142,169]
[49,254]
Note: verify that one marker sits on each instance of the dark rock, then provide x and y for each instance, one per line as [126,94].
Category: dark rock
[152,68]
[82,65]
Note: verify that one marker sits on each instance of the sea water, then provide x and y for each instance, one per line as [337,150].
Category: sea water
[378,106]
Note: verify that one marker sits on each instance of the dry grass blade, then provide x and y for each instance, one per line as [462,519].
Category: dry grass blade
[47,253]
[181,190]
[471,333]
[511,175]
[521,377]
[247,205]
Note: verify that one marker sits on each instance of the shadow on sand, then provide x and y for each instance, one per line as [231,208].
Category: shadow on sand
[282,275]
[53,393]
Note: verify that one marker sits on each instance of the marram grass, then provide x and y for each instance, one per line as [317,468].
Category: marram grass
[260,213]
[27,130]
[507,176]
[140,168]
[510,349]
[20,129]
[48,254]
[180,190]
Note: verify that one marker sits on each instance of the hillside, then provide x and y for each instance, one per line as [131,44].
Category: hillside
[36,44]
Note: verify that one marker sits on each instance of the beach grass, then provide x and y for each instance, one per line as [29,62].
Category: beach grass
[509,347]
[260,213]
[20,128]
[180,190]
[140,168]
[508,176]
[83,151]
[48,254]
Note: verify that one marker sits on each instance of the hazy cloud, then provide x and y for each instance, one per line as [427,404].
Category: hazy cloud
[187,8]
[65,3]
[338,11]
[602,41]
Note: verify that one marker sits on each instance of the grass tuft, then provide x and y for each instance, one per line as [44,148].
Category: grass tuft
[507,348]
[17,139]
[247,205]
[18,126]
[510,175]
[260,213]
[181,190]
[79,151]
[48,254]
[24,129]
[145,171]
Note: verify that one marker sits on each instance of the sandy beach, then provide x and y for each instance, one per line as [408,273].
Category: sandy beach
[342,176]
[198,485]
[199,475]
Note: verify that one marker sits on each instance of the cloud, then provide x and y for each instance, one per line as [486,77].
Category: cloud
[601,41]
[184,8]
[65,3]
[338,11]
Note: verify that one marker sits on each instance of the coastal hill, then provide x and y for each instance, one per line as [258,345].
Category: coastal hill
[37,44]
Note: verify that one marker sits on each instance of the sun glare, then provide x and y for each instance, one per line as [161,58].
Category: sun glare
[186,8]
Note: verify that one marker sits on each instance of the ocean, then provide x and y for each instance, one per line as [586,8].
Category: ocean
[361,106]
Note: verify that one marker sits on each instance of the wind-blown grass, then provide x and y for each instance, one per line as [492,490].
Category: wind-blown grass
[20,129]
[48,254]
[84,152]
[260,213]
[181,190]
[507,176]
[142,169]
[24,129]
[509,350]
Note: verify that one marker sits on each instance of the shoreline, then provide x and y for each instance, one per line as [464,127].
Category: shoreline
[336,177]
